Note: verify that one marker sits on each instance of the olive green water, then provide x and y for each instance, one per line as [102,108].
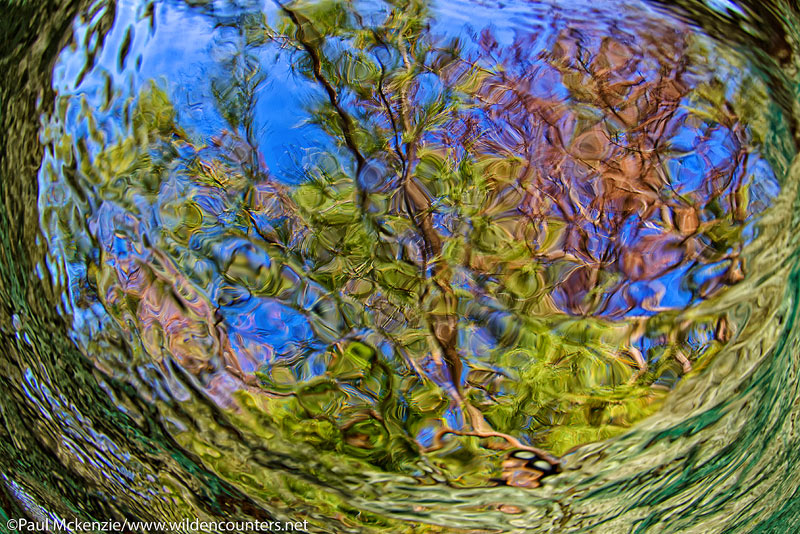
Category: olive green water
[356,264]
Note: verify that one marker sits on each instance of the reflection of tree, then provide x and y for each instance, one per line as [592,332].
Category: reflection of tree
[534,195]
[592,173]
[466,252]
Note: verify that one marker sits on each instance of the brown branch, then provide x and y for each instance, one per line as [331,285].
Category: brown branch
[444,327]
[316,62]
[513,442]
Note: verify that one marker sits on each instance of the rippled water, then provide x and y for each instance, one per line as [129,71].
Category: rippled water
[401,266]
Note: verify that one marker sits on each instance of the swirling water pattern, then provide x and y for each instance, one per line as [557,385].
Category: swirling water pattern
[192,330]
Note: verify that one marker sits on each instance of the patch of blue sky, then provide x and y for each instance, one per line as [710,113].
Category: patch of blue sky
[764,185]
[315,364]
[269,322]
[677,295]
[425,436]
[121,246]
[372,13]
[178,54]
[453,416]
[182,37]
[685,140]
[598,242]
[212,204]
[466,18]
[224,250]
[719,148]
[749,232]
[547,83]
[709,273]
[283,119]
[631,230]
[645,343]
[687,173]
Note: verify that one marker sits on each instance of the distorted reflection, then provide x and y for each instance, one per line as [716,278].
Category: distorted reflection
[455,257]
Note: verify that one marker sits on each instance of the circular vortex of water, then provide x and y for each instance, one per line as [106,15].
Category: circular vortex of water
[401,266]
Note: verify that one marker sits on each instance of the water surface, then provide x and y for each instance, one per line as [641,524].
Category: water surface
[401,267]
